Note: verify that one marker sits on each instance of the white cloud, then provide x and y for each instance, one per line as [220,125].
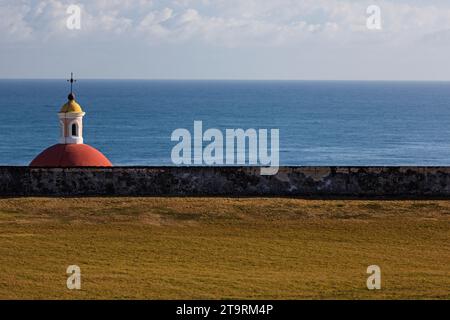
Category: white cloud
[12,22]
[228,23]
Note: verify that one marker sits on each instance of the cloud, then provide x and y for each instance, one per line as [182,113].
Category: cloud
[13,24]
[230,23]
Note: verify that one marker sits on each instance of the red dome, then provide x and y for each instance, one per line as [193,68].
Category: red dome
[70,155]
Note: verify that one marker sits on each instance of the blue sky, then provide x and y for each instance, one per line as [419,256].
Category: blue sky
[226,39]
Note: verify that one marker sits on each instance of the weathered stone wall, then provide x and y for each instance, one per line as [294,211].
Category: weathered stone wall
[389,182]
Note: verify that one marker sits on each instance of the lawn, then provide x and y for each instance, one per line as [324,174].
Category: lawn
[223,248]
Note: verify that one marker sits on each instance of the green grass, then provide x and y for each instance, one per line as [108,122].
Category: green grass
[213,248]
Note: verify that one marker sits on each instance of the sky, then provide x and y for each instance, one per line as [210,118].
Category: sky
[226,39]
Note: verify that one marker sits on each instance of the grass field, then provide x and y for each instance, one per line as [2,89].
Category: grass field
[208,248]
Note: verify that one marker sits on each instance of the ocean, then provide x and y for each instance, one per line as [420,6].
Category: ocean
[320,122]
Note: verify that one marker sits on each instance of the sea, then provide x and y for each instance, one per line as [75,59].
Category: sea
[320,122]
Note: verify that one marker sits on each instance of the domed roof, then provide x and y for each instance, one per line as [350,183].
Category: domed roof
[71,106]
[70,155]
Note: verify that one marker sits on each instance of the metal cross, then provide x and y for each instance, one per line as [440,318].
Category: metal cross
[72,80]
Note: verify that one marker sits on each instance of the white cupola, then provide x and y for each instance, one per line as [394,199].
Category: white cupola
[71,120]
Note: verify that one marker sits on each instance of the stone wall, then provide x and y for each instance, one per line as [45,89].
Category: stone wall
[367,182]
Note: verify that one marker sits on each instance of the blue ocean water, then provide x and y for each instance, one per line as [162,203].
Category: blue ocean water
[320,123]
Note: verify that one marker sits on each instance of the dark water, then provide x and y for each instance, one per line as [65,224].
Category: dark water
[320,123]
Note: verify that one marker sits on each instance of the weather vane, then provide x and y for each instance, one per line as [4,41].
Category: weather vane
[72,80]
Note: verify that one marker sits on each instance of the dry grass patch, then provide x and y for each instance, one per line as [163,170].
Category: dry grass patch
[204,248]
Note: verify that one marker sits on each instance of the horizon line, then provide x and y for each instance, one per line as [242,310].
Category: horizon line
[236,79]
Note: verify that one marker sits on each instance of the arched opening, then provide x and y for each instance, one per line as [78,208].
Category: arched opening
[61,125]
[74,130]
